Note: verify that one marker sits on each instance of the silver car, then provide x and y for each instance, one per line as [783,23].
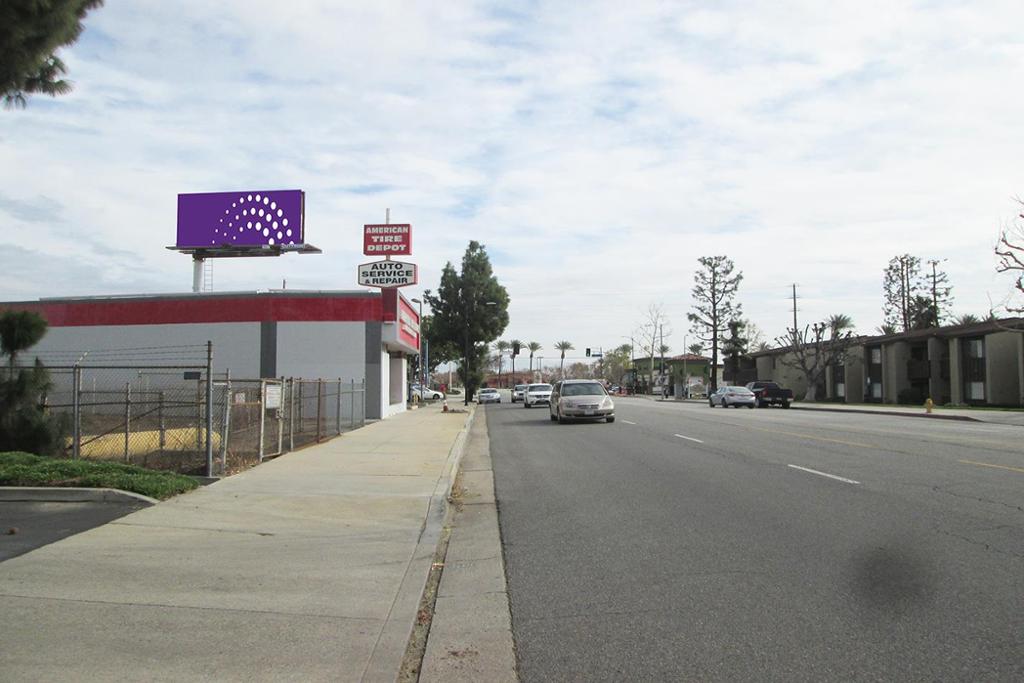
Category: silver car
[517,392]
[488,396]
[536,394]
[732,396]
[581,399]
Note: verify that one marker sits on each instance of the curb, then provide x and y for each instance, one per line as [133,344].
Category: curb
[385,661]
[895,413]
[68,494]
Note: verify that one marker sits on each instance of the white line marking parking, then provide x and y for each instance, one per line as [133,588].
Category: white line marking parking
[688,438]
[629,423]
[824,474]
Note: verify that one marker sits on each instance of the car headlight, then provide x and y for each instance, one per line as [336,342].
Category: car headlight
[607,403]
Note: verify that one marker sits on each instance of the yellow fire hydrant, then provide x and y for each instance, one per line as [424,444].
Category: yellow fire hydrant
[928,405]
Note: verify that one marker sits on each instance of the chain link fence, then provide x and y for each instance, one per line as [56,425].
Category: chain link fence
[183,418]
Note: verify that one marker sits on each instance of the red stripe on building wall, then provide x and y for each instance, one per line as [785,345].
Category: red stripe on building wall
[204,310]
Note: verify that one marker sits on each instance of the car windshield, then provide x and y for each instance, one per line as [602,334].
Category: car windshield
[739,390]
[539,387]
[520,387]
[488,391]
[583,389]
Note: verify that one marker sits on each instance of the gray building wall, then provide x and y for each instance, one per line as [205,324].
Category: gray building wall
[236,346]
[895,356]
[855,381]
[938,386]
[1002,379]
[956,378]
[322,349]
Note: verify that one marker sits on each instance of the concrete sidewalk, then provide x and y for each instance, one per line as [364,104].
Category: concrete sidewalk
[308,567]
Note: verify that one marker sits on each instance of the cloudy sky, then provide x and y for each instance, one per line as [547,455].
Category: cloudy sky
[596,149]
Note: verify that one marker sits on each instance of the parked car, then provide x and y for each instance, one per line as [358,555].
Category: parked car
[770,393]
[488,396]
[536,394]
[517,392]
[427,393]
[733,397]
[583,399]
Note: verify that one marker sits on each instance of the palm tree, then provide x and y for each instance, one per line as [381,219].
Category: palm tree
[839,322]
[502,348]
[966,319]
[563,346]
[534,348]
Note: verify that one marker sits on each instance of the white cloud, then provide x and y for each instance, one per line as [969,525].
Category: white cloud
[596,150]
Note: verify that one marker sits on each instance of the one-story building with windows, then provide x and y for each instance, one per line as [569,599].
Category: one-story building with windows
[975,364]
[353,335]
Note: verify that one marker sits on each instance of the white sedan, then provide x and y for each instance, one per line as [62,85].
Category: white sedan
[427,394]
[488,396]
[732,396]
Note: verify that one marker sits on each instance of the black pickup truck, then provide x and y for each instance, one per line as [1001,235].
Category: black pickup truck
[770,393]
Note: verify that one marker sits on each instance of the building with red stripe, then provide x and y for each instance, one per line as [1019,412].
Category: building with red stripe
[281,333]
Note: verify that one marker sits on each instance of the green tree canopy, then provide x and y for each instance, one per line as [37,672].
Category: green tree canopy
[31,31]
[470,309]
[19,330]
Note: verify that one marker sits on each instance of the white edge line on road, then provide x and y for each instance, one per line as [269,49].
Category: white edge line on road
[629,423]
[688,438]
[824,474]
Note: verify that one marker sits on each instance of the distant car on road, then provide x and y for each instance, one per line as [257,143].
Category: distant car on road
[517,392]
[580,399]
[536,394]
[488,396]
[732,397]
[770,393]
[427,394]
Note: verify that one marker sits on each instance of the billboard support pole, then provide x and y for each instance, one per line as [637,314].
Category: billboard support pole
[197,274]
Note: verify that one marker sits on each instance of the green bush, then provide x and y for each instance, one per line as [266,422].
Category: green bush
[25,469]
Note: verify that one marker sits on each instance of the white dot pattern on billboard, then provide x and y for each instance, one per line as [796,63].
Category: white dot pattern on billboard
[260,230]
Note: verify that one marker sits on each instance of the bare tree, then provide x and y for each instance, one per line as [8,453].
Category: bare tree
[1010,250]
[651,332]
[899,284]
[812,352]
[713,292]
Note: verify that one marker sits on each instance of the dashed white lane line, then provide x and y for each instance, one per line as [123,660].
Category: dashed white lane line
[688,438]
[629,423]
[824,474]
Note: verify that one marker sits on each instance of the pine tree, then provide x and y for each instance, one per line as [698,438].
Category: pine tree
[713,292]
[31,31]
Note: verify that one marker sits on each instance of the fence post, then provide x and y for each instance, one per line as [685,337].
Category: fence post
[319,402]
[362,417]
[300,405]
[226,428]
[352,408]
[280,420]
[160,422]
[127,418]
[263,413]
[76,416]
[291,415]
[209,408]
[337,419]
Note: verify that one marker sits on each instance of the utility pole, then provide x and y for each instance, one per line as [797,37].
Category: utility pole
[935,287]
[794,315]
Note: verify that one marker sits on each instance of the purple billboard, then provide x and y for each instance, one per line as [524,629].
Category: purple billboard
[242,219]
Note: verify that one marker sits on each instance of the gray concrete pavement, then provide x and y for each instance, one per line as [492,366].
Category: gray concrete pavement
[471,633]
[309,567]
[29,524]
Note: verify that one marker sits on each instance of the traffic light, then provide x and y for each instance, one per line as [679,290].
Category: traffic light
[515,348]
[588,352]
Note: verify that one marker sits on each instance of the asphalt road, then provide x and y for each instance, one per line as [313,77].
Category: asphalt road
[689,543]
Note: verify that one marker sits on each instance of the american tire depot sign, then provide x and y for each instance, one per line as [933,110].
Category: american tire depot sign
[387,274]
[392,239]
